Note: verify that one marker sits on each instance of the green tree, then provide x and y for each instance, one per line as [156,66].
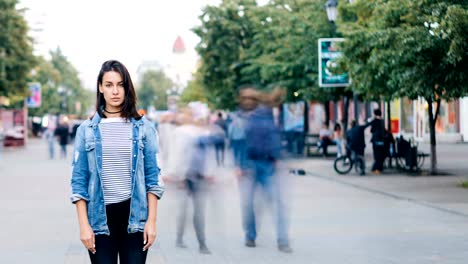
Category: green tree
[49,78]
[69,87]
[408,48]
[152,90]
[274,45]
[195,91]
[16,57]
[226,34]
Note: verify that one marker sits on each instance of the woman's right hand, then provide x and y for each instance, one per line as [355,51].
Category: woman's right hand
[87,238]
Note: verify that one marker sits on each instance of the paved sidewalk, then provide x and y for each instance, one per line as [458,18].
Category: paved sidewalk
[334,219]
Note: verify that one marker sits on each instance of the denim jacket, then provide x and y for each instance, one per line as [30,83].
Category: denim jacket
[87,166]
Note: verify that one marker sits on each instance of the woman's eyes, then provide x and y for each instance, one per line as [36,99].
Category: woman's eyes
[110,85]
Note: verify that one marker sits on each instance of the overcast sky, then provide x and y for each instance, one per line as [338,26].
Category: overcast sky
[90,32]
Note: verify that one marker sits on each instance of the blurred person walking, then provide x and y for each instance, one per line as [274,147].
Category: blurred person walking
[263,146]
[188,167]
[220,146]
[115,179]
[2,138]
[49,135]
[236,136]
[166,129]
[63,135]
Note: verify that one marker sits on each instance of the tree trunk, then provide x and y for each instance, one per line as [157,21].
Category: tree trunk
[389,117]
[389,128]
[432,122]
[356,107]
[326,105]
[345,114]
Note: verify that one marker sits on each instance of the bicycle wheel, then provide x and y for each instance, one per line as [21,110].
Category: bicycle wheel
[359,166]
[343,165]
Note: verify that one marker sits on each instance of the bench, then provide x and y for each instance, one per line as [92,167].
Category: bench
[311,142]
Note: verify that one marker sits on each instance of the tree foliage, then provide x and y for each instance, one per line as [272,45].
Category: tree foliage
[274,45]
[61,87]
[194,92]
[69,87]
[16,57]
[408,48]
[152,90]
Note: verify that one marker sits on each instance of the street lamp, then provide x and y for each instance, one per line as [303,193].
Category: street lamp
[332,13]
[332,10]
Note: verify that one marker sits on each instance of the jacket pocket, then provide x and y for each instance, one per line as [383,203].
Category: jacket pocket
[90,146]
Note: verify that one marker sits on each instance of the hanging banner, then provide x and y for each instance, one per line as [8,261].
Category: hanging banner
[293,114]
[395,112]
[329,52]
[34,99]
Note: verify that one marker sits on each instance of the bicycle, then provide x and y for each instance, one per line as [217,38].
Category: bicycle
[344,164]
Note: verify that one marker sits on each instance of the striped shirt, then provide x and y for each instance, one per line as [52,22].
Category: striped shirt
[116,179]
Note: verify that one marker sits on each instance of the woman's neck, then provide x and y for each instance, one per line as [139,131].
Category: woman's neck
[110,111]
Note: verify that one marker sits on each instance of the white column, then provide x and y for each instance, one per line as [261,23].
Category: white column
[464,118]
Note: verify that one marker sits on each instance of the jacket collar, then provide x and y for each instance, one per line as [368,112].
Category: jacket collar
[97,119]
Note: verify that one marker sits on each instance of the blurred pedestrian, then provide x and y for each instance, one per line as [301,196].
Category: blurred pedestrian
[220,146]
[236,135]
[187,166]
[63,135]
[166,129]
[378,141]
[49,135]
[263,146]
[115,179]
[2,137]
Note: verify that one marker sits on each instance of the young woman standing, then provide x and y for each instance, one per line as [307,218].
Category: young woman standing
[115,180]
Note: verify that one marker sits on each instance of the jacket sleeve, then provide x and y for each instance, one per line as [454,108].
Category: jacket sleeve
[153,182]
[80,170]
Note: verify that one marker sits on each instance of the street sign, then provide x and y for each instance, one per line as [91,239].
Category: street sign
[329,52]
[34,98]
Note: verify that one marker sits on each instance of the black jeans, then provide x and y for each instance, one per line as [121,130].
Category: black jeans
[219,148]
[379,157]
[128,247]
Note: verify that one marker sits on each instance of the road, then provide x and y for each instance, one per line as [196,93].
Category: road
[333,220]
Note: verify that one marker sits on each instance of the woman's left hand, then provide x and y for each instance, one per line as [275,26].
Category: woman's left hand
[149,235]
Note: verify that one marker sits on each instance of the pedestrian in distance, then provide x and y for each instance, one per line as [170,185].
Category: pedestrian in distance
[378,141]
[63,135]
[220,146]
[356,142]
[338,139]
[115,178]
[236,135]
[49,135]
[325,137]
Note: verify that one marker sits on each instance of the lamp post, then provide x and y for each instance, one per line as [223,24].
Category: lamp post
[331,7]
[332,12]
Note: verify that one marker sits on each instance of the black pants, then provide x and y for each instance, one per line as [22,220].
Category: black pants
[128,247]
[379,157]
[220,154]
[324,143]
[196,193]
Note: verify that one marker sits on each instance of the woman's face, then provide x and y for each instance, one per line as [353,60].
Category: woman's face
[113,90]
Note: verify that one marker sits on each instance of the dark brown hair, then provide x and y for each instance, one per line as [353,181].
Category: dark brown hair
[128,106]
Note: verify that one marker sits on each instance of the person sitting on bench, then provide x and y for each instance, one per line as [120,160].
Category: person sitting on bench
[325,137]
